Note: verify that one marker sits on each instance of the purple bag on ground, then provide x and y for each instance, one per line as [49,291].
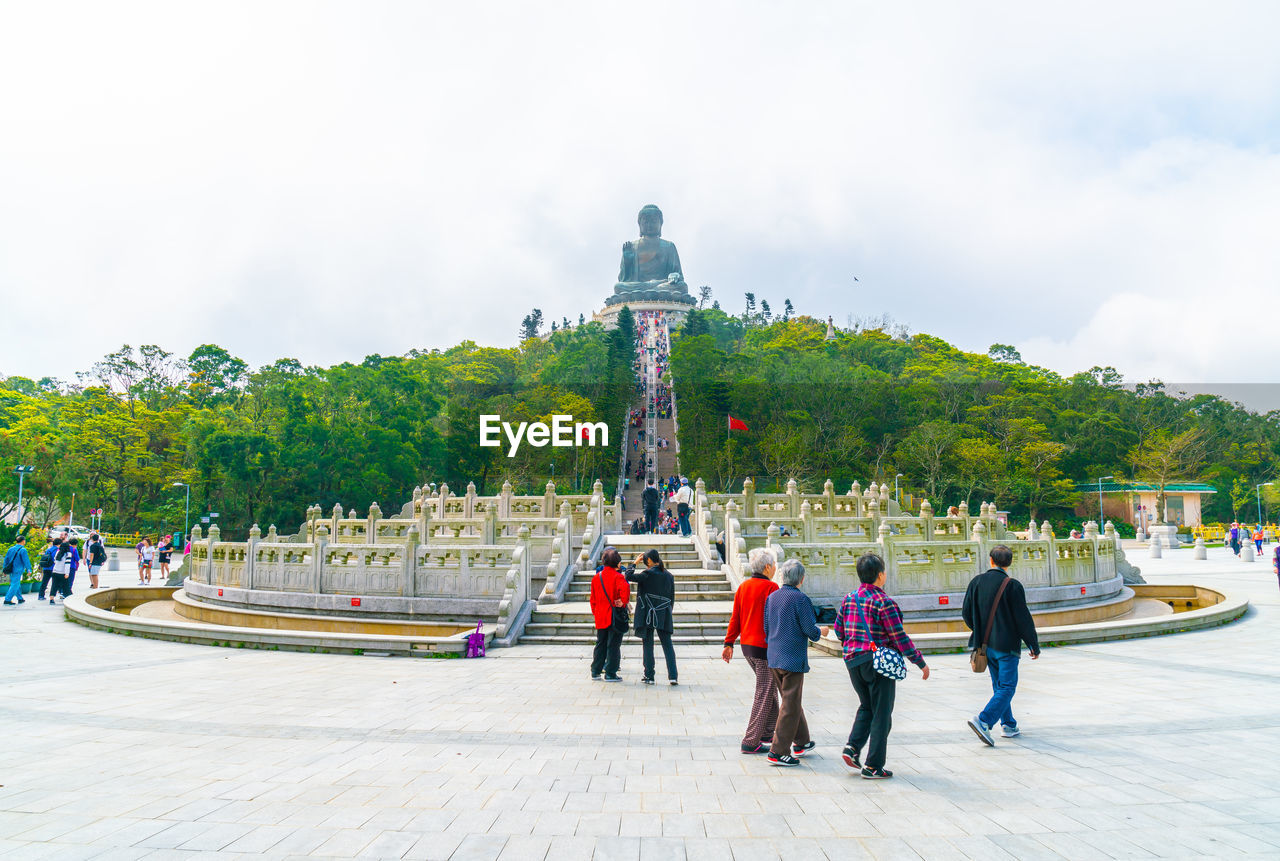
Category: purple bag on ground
[475,642]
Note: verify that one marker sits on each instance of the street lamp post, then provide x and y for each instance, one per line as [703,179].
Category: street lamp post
[1258,491]
[23,470]
[186,513]
[1100,480]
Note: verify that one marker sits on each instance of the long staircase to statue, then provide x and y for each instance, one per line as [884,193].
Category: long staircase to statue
[704,595]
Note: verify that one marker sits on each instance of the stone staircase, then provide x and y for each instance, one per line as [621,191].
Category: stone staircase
[704,598]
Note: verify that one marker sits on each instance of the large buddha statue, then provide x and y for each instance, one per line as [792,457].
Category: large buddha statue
[650,265]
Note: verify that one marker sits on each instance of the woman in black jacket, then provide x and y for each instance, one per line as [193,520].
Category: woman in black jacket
[655,597]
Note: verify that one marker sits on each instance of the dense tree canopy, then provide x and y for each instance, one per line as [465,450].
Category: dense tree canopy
[260,447]
[958,426]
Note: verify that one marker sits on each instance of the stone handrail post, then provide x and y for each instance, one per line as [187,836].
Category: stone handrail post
[748,498]
[773,542]
[215,535]
[979,536]
[808,530]
[196,537]
[517,585]
[412,540]
[489,528]
[926,520]
[255,536]
[371,531]
[793,498]
[855,491]
[318,548]
[424,521]
[469,502]
[442,508]
[504,501]
[549,500]
[734,545]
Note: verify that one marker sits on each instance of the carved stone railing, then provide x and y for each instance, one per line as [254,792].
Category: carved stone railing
[932,575]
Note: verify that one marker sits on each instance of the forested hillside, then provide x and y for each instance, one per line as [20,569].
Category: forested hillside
[260,446]
[870,405]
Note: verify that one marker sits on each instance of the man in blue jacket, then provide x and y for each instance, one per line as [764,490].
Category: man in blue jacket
[789,624]
[16,564]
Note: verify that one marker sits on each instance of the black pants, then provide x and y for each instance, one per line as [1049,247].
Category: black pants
[650,519]
[58,586]
[668,651]
[608,653]
[45,579]
[875,711]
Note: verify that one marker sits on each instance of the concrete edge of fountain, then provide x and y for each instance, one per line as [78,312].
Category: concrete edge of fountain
[1226,609]
[95,610]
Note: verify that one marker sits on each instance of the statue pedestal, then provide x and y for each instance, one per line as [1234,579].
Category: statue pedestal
[674,309]
[1167,532]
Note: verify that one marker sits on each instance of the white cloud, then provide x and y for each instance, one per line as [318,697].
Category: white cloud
[331,180]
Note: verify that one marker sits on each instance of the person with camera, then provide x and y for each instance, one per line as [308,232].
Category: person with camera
[655,600]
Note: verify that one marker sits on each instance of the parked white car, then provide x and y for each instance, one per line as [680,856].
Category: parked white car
[81,532]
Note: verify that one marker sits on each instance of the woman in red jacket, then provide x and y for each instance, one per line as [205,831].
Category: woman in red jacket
[747,622]
[609,591]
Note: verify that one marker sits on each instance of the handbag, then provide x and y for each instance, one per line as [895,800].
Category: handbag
[884,660]
[621,617]
[889,663]
[978,659]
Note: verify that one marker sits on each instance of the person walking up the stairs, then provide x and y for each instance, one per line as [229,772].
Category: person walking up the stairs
[651,499]
[655,597]
[747,621]
[610,594]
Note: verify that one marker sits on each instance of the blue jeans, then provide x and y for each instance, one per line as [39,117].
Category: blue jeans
[1003,667]
[15,587]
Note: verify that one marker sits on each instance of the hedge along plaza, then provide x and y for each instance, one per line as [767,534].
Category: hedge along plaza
[563,432]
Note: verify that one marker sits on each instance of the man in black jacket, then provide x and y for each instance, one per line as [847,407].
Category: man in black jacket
[650,499]
[1011,626]
[655,601]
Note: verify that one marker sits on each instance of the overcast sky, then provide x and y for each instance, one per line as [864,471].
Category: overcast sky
[326,181]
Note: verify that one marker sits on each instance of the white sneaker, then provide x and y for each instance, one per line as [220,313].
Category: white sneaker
[1010,732]
[982,731]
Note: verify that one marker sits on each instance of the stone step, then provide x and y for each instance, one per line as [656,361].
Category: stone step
[700,575]
[590,640]
[689,584]
[709,595]
[587,633]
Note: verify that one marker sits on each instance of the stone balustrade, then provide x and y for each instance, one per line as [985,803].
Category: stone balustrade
[929,559]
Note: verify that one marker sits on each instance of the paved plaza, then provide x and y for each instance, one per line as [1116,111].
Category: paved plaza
[123,748]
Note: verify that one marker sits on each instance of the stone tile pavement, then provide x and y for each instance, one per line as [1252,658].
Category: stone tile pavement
[123,748]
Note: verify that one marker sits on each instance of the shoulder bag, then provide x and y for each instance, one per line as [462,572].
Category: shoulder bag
[884,660]
[978,659]
[621,617]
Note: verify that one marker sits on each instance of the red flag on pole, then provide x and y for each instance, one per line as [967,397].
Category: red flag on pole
[737,424]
